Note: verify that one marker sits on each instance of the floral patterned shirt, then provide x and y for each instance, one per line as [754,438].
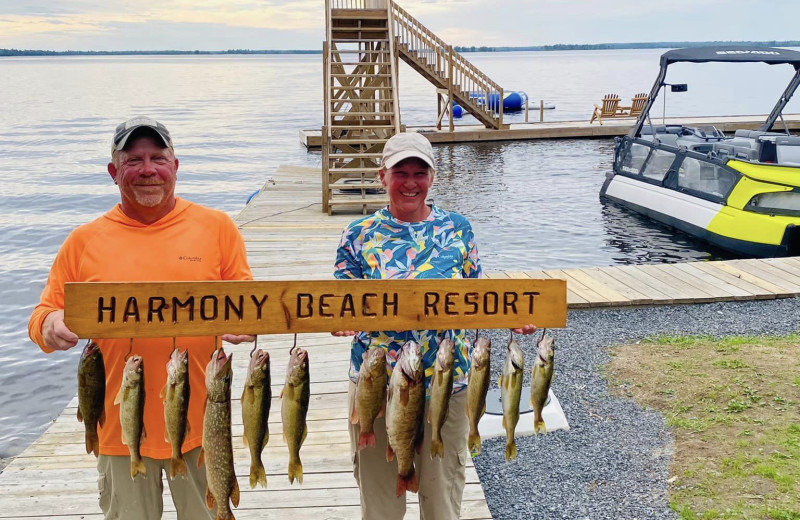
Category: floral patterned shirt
[379,246]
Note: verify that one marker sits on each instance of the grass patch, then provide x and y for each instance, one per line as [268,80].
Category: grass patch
[733,405]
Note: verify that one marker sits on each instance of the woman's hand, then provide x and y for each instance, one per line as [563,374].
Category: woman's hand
[525,329]
[343,333]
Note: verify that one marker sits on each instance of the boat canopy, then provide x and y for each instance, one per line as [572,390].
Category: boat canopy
[728,54]
[732,53]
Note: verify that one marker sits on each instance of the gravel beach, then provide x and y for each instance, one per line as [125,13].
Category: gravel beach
[613,463]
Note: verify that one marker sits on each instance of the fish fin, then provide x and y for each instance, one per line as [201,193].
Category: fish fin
[382,411]
[404,396]
[258,475]
[80,415]
[539,427]
[163,393]
[177,466]
[209,499]
[353,416]
[201,459]
[389,453]
[407,483]
[120,395]
[102,419]
[437,448]
[511,450]
[296,471]
[474,442]
[244,440]
[137,468]
[235,493]
[89,442]
[365,440]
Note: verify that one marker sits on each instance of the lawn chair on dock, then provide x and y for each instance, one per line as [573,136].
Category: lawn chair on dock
[637,105]
[609,108]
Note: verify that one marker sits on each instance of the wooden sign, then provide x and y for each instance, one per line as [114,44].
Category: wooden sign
[172,309]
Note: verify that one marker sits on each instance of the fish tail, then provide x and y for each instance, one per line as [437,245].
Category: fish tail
[137,468]
[224,515]
[474,442]
[539,427]
[258,474]
[511,450]
[409,482]
[366,439]
[177,466]
[92,443]
[437,448]
[295,471]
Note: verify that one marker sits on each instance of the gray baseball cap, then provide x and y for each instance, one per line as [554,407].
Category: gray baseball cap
[126,129]
[407,144]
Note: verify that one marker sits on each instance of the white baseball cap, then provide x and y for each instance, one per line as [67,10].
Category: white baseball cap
[404,145]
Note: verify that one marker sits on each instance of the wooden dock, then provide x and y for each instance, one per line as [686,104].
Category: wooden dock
[289,237]
[566,129]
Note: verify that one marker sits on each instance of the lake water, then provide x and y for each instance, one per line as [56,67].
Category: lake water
[234,119]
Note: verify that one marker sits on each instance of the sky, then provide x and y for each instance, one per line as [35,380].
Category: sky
[107,25]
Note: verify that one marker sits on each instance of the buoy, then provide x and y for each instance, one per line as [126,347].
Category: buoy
[457,110]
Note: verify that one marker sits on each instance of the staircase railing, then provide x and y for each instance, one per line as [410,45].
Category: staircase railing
[449,65]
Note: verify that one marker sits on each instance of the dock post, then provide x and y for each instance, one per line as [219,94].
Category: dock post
[541,110]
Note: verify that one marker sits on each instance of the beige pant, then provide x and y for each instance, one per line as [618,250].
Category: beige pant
[441,480]
[137,499]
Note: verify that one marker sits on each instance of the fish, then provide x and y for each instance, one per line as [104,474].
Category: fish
[541,378]
[510,392]
[294,407]
[477,388]
[405,411]
[130,399]
[91,394]
[441,390]
[217,451]
[370,398]
[256,400]
[176,405]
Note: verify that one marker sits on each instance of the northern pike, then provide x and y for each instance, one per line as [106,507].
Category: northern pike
[294,407]
[510,392]
[370,398]
[91,394]
[256,400]
[176,405]
[541,378]
[441,390]
[477,388]
[405,410]
[130,399]
[217,444]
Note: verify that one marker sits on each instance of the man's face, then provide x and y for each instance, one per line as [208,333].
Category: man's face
[145,173]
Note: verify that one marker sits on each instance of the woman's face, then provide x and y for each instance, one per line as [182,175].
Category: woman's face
[408,183]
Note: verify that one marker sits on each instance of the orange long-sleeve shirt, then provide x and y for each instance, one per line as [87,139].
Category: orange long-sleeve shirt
[190,243]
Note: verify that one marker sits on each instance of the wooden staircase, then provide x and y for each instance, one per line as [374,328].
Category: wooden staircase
[361,109]
[364,39]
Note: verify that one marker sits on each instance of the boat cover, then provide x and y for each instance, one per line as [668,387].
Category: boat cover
[732,53]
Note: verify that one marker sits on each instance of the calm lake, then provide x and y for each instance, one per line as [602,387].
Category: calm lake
[234,119]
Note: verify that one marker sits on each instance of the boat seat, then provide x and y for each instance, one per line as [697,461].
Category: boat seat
[754,134]
[787,148]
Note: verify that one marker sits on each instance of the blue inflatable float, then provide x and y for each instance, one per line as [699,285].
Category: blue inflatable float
[457,110]
[512,101]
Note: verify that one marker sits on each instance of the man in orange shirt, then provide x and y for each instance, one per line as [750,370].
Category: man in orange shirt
[152,235]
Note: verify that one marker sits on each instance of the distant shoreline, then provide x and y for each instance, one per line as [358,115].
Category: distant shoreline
[473,48]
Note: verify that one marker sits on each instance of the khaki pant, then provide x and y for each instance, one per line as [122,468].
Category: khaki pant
[441,480]
[137,499]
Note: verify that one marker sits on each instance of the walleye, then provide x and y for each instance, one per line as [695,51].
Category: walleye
[131,411]
[91,394]
[477,387]
[217,446]
[441,389]
[294,406]
[256,399]
[370,399]
[541,378]
[176,404]
[510,391]
[405,410]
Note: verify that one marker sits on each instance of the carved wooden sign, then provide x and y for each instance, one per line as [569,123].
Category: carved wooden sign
[172,309]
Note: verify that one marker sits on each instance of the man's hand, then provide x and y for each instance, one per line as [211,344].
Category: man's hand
[525,329]
[235,339]
[56,334]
